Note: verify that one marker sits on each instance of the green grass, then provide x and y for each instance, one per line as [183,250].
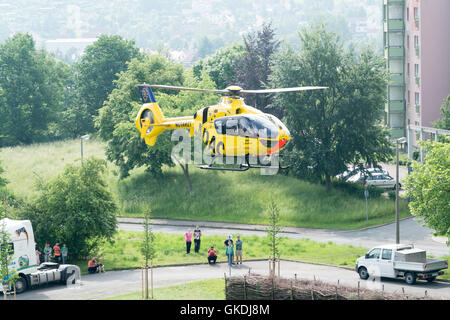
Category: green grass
[125,254]
[240,197]
[200,290]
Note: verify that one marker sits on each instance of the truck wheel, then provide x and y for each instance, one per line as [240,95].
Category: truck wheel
[363,274]
[410,278]
[21,285]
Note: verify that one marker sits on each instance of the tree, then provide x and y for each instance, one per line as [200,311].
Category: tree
[148,249]
[220,66]
[339,125]
[7,275]
[253,69]
[444,122]
[31,91]
[273,232]
[428,186]
[76,208]
[99,67]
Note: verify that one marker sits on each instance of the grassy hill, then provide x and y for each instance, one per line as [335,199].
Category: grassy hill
[217,196]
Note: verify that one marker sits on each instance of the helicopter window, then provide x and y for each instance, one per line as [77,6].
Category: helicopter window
[219,124]
[263,127]
[232,127]
[246,128]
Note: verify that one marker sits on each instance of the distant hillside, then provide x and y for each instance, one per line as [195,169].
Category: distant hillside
[217,196]
[194,28]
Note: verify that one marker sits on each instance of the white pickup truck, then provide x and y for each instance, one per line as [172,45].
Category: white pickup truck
[397,261]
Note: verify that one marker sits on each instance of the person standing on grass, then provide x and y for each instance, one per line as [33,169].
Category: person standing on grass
[47,252]
[227,243]
[57,253]
[197,235]
[188,237]
[230,252]
[64,253]
[238,248]
[38,253]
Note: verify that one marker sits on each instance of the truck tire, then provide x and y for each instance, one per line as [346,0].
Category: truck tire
[363,274]
[21,285]
[410,278]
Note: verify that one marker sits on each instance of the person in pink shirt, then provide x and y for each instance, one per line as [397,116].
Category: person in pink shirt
[188,237]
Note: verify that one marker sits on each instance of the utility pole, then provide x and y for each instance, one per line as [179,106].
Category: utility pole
[397,219]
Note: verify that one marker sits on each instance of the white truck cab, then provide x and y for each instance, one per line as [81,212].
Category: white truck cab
[24,261]
[399,261]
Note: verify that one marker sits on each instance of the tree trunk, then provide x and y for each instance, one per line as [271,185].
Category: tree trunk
[328,181]
[186,174]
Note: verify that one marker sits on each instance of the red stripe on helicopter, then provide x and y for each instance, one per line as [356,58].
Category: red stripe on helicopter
[276,147]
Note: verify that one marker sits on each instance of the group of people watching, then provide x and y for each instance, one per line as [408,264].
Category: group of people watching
[59,254]
[231,249]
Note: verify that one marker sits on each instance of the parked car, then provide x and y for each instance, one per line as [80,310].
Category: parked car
[380,180]
[399,261]
[354,175]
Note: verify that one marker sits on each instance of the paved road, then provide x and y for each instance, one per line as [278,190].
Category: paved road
[114,283]
[411,231]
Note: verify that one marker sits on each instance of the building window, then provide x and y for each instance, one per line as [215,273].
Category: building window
[407,41]
[407,14]
[417,98]
[407,68]
[416,13]
[416,70]
[416,41]
[408,97]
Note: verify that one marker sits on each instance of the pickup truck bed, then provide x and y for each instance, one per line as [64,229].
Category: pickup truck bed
[429,266]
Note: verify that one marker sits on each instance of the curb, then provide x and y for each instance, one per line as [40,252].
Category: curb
[184,223]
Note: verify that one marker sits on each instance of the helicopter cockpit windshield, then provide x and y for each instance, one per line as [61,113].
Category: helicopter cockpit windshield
[251,126]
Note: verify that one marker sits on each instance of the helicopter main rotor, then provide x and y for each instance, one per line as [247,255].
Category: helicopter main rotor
[234,90]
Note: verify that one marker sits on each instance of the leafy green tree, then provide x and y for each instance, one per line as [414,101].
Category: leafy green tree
[428,186]
[253,69]
[444,122]
[76,208]
[220,66]
[339,125]
[99,67]
[31,88]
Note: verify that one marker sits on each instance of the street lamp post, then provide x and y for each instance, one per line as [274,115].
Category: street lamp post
[397,219]
[85,137]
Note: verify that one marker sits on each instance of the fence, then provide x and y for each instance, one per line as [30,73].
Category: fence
[258,287]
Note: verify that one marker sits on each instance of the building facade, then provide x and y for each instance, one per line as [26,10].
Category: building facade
[417,50]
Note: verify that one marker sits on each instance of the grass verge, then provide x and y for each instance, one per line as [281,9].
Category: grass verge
[213,289]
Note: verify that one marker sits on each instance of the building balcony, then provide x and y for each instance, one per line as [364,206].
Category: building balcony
[395,25]
[396,106]
[397,132]
[397,79]
[395,52]
[394,2]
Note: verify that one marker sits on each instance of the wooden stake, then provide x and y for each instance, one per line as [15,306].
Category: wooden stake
[151,274]
[358,290]
[245,289]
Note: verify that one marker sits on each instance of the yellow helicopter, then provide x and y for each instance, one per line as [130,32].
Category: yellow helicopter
[229,129]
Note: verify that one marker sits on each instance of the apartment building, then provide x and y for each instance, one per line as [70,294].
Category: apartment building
[417,50]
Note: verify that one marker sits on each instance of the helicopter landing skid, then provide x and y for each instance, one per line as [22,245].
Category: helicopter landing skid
[241,167]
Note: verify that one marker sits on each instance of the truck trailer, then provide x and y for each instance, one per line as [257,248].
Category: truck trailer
[24,262]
